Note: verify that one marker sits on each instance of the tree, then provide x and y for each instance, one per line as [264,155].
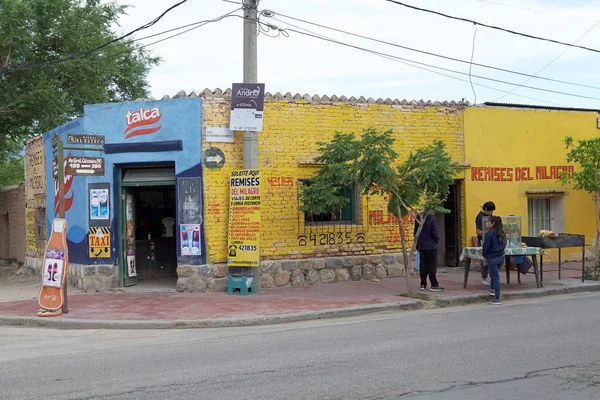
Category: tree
[12,169]
[35,100]
[585,153]
[417,187]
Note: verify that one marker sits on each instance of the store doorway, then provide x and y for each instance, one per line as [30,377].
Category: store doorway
[452,232]
[149,246]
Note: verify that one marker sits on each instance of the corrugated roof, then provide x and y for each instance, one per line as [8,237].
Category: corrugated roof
[537,107]
[219,93]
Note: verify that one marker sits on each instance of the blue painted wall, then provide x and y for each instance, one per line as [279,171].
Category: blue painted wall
[162,121]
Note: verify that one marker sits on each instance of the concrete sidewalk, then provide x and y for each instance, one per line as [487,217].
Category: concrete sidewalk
[123,310]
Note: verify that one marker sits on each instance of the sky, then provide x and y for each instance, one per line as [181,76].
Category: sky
[212,55]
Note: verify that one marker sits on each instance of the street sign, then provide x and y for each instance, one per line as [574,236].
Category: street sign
[214,158]
[90,166]
[85,139]
[247,106]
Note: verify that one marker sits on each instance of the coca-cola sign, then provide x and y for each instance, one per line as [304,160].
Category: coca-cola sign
[142,122]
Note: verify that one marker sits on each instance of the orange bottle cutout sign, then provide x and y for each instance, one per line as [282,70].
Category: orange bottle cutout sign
[54,271]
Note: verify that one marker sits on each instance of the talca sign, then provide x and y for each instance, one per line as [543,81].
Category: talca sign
[91,166]
[99,239]
[86,139]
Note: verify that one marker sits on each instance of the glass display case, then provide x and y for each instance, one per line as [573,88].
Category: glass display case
[512,229]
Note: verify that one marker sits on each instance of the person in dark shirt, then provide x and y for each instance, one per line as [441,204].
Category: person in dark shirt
[427,245]
[486,210]
[494,244]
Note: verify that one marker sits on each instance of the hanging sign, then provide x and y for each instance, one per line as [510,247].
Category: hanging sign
[99,242]
[91,166]
[85,139]
[244,219]
[247,106]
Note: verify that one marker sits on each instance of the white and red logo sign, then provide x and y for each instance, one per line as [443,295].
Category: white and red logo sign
[142,122]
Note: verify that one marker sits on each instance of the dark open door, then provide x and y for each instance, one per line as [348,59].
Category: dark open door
[453,226]
[128,267]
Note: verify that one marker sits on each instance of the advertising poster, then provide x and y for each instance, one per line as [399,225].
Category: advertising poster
[131,269]
[98,204]
[190,240]
[244,219]
[53,268]
[247,106]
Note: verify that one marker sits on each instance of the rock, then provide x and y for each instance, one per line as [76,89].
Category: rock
[217,284]
[319,263]
[205,270]
[289,265]
[356,273]
[368,272]
[195,284]
[341,275]
[220,270]
[267,281]
[312,277]
[305,265]
[395,271]
[270,267]
[327,275]
[90,270]
[380,272]
[180,287]
[185,271]
[282,277]
[298,278]
[334,262]
[373,259]
[388,259]
[105,270]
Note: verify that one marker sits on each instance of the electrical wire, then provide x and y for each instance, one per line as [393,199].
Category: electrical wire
[432,66]
[270,14]
[492,26]
[471,66]
[87,52]
[391,58]
[549,64]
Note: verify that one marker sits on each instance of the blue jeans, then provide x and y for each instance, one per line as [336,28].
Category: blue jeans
[494,265]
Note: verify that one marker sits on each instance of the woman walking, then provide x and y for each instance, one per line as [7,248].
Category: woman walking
[494,243]
[427,245]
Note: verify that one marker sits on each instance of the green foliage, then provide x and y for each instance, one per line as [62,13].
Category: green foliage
[592,273]
[36,100]
[585,153]
[12,170]
[424,180]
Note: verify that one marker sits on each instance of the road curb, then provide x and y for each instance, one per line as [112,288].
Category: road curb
[65,323]
[525,294]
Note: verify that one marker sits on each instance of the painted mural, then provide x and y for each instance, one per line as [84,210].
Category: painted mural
[137,134]
[35,197]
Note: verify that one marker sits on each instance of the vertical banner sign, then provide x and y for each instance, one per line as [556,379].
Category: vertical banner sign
[131,268]
[98,204]
[244,219]
[247,107]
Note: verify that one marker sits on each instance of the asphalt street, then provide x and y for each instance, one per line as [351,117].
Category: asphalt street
[546,348]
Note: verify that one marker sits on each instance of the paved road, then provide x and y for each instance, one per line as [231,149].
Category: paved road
[538,349]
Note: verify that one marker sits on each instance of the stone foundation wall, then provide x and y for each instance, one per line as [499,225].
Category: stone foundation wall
[300,272]
[93,278]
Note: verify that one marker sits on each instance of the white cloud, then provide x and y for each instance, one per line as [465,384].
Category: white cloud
[211,56]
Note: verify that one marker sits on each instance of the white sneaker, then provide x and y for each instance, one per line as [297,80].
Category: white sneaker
[485,282]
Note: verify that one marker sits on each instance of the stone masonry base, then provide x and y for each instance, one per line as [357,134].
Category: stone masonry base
[213,277]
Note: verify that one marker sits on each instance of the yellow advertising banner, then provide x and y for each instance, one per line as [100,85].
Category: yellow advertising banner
[99,239]
[244,219]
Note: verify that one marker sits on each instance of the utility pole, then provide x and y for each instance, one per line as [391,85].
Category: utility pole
[250,75]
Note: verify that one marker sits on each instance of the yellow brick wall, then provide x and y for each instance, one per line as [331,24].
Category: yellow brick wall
[287,145]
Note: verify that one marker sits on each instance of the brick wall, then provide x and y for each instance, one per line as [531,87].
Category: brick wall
[287,147]
[12,223]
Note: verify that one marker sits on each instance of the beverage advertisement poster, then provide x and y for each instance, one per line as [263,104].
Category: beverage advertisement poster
[190,240]
[244,219]
[99,207]
[131,269]
[53,268]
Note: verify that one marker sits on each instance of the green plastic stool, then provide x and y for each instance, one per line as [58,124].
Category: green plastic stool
[240,284]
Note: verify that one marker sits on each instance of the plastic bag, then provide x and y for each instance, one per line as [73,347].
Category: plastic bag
[417,262]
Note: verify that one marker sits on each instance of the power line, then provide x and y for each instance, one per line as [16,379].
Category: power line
[433,66]
[87,52]
[471,66]
[392,58]
[550,63]
[492,26]
[270,14]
